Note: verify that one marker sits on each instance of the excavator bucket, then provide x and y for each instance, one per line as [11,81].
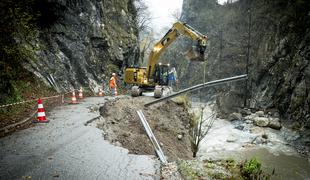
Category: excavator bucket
[192,54]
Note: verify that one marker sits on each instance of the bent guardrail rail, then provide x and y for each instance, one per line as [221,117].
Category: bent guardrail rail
[153,139]
[200,86]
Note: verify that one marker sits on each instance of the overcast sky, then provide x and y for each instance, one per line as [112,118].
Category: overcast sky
[161,12]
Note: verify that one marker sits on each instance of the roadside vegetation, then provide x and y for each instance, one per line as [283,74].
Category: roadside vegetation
[222,169]
[19,27]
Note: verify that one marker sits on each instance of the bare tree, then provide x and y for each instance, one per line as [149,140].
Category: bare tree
[146,43]
[176,15]
[200,127]
[146,35]
[143,14]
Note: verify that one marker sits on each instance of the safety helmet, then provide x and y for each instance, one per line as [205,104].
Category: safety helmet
[113,74]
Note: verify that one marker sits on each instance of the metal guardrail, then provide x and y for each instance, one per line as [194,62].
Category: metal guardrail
[200,86]
[149,132]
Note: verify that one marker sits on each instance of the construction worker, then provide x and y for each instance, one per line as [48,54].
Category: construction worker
[112,84]
[172,76]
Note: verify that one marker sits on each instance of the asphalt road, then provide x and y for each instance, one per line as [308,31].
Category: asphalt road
[67,149]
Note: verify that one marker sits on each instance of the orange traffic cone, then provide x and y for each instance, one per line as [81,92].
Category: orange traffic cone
[81,93]
[41,114]
[115,94]
[73,98]
[100,92]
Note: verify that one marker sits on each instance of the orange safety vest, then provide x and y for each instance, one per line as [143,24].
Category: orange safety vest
[112,83]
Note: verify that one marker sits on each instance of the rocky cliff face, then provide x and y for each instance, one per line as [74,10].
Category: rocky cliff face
[81,42]
[279,51]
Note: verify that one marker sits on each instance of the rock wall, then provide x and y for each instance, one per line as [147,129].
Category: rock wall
[279,70]
[81,42]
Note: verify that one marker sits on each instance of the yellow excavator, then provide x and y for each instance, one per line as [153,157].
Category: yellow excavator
[154,77]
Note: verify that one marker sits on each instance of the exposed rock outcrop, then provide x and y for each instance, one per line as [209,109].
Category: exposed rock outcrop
[279,70]
[83,42]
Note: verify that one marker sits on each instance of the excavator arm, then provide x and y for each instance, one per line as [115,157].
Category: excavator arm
[154,77]
[177,29]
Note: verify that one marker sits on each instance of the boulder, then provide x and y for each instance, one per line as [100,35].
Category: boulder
[265,136]
[235,116]
[250,117]
[240,127]
[259,140]
[180,137]
[248,121]
[261,121]
[260,113]
[245,111]
[274,123]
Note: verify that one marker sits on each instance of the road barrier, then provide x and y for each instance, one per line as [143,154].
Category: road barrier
[63,97]
[73,99]
[41,118]
[29,101]
[8,128]
[100,93]
[81,93]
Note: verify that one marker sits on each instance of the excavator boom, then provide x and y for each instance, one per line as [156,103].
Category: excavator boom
[177,29]
[154,75]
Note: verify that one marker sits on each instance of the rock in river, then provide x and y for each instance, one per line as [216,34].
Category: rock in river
[261,121]
[231,139]
[274,123]
[235,116]
[260,113]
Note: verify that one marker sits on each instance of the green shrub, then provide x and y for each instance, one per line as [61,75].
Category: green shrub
[251,167]
[186,170]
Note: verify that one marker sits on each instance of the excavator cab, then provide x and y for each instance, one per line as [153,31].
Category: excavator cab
[161,74]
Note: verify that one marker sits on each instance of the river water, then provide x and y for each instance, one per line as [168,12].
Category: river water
[225,141]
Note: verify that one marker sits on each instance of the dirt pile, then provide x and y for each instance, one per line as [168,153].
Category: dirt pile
[169,122]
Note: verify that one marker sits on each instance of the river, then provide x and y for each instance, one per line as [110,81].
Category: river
[226,141]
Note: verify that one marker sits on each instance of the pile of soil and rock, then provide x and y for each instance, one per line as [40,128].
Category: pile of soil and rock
[168,120]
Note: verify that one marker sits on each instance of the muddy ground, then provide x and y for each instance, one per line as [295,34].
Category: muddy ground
[168,120]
